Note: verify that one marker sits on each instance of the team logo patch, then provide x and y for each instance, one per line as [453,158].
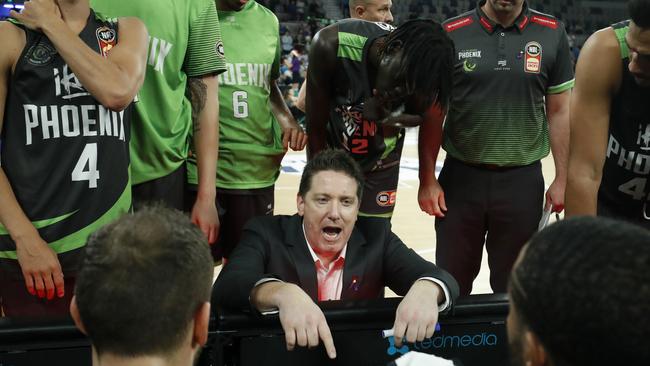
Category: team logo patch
[40,54]
[220,50]
[469,65]
[386,198]
[106,38]
[533,59]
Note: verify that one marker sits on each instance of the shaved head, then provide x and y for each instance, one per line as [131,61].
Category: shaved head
[372,10]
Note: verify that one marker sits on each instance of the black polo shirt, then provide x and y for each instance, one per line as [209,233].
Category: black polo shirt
[497,114]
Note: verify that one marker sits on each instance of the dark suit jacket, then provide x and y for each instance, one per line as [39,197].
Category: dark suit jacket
[275,246]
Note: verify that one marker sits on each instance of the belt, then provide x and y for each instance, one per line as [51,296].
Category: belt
[491,167]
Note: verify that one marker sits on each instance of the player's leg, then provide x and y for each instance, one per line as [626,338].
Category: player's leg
[461,233]
[516,203]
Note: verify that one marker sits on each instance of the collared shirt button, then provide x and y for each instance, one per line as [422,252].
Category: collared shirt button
[503,34]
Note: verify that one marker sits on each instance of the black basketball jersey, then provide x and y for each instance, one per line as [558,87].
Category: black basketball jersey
[66,156]
[624,190]
[371,145]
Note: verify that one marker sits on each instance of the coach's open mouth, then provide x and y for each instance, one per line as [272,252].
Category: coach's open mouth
[331,232]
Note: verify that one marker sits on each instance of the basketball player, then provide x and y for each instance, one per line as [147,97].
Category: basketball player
[67,76]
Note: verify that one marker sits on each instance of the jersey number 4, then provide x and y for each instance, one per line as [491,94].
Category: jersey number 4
[86,167]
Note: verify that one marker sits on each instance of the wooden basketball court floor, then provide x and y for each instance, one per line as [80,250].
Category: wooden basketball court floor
[413,226]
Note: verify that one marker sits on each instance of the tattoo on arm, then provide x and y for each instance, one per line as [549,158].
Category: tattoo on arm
[197,92]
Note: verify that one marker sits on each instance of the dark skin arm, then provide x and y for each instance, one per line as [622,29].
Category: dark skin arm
[598,77]
[322,56]
[292,134]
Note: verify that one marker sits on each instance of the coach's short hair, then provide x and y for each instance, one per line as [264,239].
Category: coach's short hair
[640,12]
[335,160]
[583,287]
[142,280]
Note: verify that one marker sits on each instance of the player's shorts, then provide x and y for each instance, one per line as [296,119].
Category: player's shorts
[380,192]
[169,190]
[235,207]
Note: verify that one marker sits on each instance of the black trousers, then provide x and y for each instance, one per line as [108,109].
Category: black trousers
[498,207]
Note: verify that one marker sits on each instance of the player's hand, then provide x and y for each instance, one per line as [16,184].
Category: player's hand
[417,313]
[37,13]
[41,268]
[431,198]
[204,215]
[294,137]
[303,321]
[555,196]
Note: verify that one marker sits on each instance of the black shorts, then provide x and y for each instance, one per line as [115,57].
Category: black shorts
[380,192]
[169,190]
[236,207]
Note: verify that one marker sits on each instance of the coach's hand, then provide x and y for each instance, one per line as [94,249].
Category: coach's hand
[302,320]
[417,313]
[37,13]
[40,266]
[294,137]
[431,198]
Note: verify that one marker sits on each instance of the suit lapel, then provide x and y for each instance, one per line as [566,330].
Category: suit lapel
[355,266]
[302,260]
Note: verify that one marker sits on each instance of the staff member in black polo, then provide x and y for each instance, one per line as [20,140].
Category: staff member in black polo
[510,105]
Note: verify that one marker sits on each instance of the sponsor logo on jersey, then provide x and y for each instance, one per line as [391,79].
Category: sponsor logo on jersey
[220,50]
[66,84]
[533,59]
[386,198]
[452,26]
[40,54]
[544,21]
[106,38]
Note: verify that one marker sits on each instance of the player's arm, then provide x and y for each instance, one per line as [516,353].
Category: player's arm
[301,102]
[204,97]
[598,74]
[430,195]
[114,80]
[322,64]
[38,262]
[293,135]
[557,113]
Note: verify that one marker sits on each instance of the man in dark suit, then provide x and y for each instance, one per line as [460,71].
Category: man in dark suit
[286,263]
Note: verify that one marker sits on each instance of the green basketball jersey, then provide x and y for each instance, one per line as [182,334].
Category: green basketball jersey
[250,146]
[184,41]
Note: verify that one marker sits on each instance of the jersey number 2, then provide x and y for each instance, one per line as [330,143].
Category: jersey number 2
[87,159]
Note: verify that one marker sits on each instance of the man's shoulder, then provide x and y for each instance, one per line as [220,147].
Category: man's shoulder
[13,41]
[544,21]
[264,13]
[459,22]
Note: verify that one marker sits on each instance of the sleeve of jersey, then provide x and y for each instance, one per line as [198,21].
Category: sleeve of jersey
[562,77]
[204,48]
